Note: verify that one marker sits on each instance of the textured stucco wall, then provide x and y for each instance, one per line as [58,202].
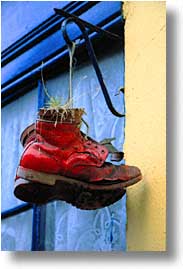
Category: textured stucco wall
[145,133]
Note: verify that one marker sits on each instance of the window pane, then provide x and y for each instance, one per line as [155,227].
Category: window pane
[16,232]
[16,116]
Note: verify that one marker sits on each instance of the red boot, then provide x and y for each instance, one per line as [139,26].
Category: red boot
[62,164]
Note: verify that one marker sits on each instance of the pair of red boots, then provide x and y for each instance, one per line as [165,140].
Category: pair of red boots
[60,162]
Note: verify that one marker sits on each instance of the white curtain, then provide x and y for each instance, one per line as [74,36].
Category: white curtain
[67,228]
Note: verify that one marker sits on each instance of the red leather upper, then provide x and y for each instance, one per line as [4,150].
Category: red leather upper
[62,149]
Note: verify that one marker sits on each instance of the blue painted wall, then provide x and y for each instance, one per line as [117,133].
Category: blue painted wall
[20,17]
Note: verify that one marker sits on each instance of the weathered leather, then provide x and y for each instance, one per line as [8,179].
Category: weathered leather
[62,149]
[29,134]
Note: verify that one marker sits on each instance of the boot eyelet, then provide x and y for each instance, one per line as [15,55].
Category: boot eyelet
[103,151]
[96,146]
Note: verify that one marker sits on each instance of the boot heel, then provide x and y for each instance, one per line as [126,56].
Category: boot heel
[35,176]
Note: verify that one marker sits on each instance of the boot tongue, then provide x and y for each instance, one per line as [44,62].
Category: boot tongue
[61,115]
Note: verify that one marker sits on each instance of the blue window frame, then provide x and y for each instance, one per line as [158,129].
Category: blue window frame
[35,40]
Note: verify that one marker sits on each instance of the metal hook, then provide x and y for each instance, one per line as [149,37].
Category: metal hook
[93,59]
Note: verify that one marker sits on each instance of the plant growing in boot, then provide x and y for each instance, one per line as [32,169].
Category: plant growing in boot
[60,162]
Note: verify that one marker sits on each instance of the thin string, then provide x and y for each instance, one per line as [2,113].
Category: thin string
[71,49]
[43,83]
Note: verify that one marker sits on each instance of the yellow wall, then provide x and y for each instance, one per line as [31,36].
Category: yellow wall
[145,133]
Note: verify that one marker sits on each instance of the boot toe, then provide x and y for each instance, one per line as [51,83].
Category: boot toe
[134,171]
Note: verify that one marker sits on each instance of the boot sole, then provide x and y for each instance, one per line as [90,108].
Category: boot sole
[31,188]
